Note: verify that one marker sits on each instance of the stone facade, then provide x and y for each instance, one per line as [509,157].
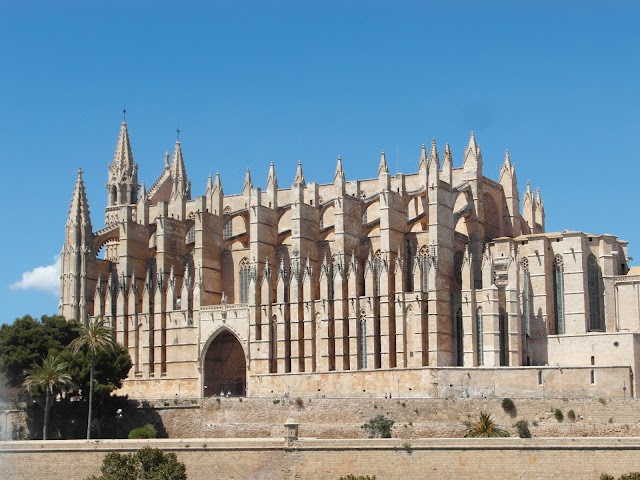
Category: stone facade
[348,286]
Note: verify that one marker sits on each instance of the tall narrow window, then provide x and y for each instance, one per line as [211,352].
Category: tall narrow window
[459,333]
[409,267]
[558,293]
[526,301]
[191,234]
[245,272]
[363,340]
[424,268]
[377,272]
[594,281]
[228,230]
[364,217]
[479,338]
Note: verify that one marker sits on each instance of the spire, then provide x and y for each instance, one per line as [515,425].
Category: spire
[507,167]
[247,183]
[382,168]
[272,181]
[423,157]
[123,156]
[472,150]
[339,174]
[433,154]
[528,190]
[299,180]
[447,165]
[79,209]
[179,174]
[209,188]
[166,160]
[538,197]
[142,194]
[217,185]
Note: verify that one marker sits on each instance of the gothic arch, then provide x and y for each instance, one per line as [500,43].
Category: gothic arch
[224,364]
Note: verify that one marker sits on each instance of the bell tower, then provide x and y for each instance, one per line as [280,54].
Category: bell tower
[122,183]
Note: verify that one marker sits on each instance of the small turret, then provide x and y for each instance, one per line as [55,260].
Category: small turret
[509,184]
[472,163]
[247,185]
[422,164]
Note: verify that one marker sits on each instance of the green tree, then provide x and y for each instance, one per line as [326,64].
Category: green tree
[27,341]
[147,464]
[484,426]
[95,336]
[50,376]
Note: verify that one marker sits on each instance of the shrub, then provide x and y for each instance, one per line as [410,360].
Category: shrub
[508,406]
[630,476]
[534,423]
[484,427]
[379,427]
[407,447]
[148,463]
[558,414]
[571,415]
[604,476]
[147,431]
[602,401]
[299,402]
[523,429]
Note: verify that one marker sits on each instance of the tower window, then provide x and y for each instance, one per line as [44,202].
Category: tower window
[191,234]
[558,293]
[594,283]
[479,338]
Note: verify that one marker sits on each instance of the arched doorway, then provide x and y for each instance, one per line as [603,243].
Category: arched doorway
[225,368]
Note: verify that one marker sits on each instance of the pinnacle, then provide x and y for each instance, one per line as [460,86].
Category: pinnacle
[382,168]
[299,180]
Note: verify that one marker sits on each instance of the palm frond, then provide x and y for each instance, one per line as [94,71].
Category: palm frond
[485,427]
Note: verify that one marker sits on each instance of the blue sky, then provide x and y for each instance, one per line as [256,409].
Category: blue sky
[249,82]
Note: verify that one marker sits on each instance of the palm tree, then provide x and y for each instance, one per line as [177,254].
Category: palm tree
[96,336]
[484,426]
[51,375]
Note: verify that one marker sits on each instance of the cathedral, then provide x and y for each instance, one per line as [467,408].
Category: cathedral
[439,283]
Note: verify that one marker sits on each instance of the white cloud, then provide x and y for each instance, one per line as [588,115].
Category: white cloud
[46,279]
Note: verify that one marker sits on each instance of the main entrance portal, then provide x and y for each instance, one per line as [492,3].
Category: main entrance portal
[225,369]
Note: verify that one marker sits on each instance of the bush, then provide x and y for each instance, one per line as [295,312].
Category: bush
[508,406]
[147,431]
[379,427]
[571,415]
[558,414]
[148,463]
[523,429]
[299,402]
[626,476]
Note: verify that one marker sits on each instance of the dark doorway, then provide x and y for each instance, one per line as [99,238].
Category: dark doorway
[225,369]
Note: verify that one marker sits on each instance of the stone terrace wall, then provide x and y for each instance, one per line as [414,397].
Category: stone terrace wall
[266,459]
[414,418]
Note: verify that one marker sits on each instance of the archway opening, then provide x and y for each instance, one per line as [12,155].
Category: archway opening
[225,368]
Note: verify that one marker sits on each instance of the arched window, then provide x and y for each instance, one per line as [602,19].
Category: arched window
[228,230]
[459,333]
[364,217]
[491,218]
[113,197]
[245,274]
[594,282]
[479,338]
[558,293]
[409,268]
[363,340]
[423,260]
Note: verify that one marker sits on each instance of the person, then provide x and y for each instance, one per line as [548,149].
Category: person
[228,393]
[222,393]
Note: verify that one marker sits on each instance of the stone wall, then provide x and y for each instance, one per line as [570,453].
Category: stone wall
[266,459]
